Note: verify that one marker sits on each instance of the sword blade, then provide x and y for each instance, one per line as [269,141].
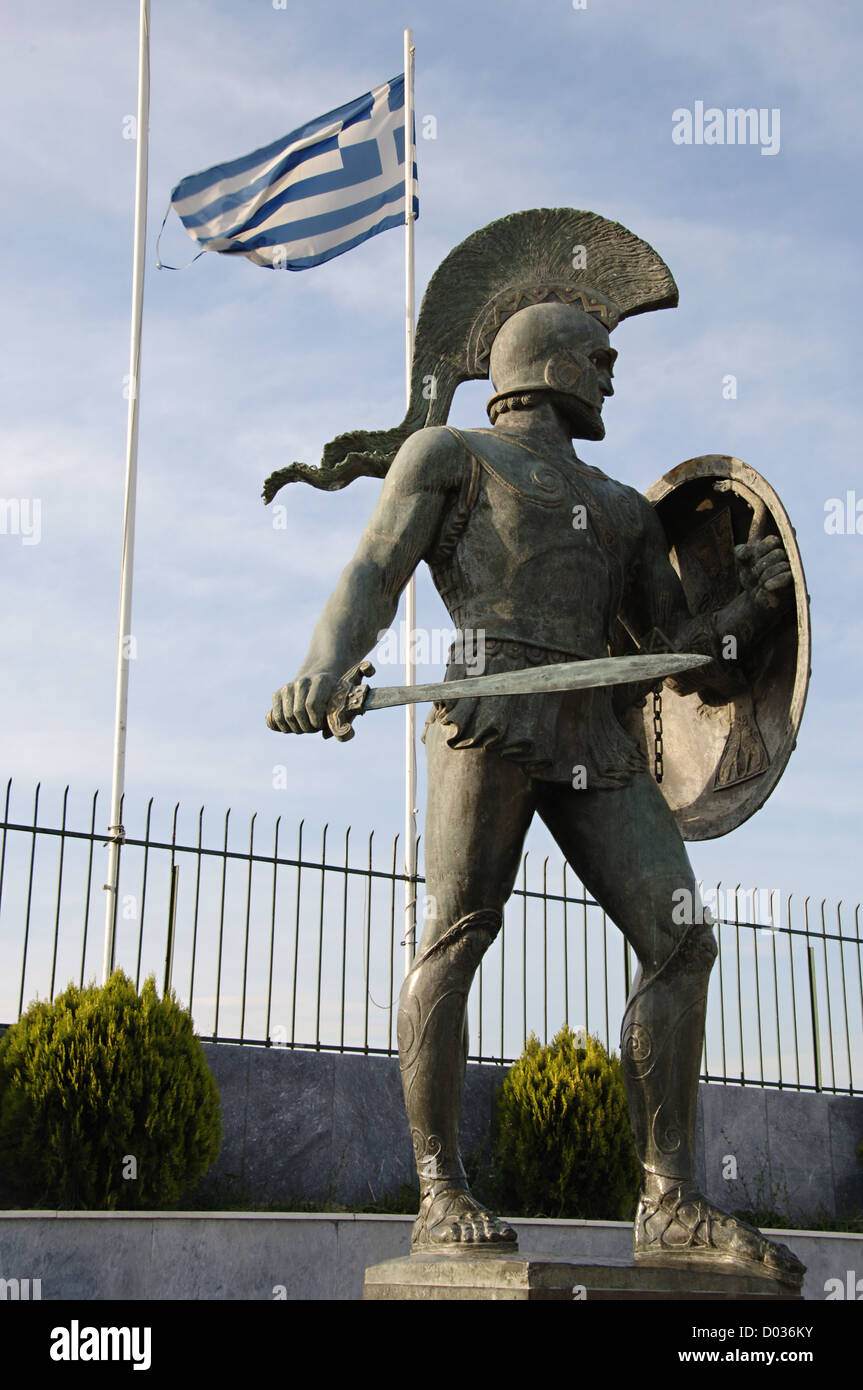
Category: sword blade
[566,675]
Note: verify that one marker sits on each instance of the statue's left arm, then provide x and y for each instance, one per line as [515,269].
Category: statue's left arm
[658,615]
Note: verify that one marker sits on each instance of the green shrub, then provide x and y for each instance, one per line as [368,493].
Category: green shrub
[98,1078]
[562,1144]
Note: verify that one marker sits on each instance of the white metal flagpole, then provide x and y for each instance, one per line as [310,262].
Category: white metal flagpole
[124,637]
[410,856]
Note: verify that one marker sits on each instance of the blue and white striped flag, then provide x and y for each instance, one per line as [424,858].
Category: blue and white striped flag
[311,195]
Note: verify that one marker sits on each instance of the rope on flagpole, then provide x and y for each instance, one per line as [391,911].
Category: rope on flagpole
[160,264]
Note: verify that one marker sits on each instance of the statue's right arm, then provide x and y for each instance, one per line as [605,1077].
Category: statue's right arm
[414,499]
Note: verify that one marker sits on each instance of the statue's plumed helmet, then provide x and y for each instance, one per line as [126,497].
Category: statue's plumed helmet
[475,305]
[538,347]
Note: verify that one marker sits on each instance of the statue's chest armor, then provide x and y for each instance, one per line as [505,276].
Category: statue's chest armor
[538,557]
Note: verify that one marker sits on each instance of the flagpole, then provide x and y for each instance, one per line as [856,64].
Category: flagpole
[410,856]
[115,829]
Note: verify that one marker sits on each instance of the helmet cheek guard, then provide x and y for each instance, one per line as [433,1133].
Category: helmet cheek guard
[571,373]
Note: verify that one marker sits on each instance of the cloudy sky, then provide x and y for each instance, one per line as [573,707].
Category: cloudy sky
[537,103]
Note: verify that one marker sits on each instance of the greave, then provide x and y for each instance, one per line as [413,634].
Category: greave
[432,1038]
[661,1042]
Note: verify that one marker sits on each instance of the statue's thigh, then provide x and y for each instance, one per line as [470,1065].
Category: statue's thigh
[479,807]
[625,846]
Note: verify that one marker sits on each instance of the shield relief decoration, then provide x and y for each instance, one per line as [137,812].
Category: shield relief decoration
[722,760]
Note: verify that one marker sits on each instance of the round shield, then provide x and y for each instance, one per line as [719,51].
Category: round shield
[721,761]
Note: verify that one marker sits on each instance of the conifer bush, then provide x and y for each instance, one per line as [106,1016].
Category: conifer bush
[106,1101]
[562,1143]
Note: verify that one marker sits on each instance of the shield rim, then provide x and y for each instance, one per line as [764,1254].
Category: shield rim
[728,466]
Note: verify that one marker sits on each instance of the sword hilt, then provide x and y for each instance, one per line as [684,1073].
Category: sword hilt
[347,702]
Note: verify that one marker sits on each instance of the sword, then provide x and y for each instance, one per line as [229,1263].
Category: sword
[351,697]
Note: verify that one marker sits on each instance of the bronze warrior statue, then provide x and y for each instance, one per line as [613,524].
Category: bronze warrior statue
[554,562]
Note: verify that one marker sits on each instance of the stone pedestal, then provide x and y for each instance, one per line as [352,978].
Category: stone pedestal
[545,1278]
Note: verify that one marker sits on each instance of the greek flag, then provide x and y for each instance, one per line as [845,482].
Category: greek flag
[311,195]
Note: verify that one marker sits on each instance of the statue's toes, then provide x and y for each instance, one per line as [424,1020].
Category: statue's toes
[780,1259]
[469,1229]
[501,1231]
[472,1230]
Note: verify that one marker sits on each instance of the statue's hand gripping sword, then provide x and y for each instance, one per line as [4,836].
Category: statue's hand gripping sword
[351,697]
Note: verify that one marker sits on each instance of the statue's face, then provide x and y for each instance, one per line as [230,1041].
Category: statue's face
[560,349]
[580,375]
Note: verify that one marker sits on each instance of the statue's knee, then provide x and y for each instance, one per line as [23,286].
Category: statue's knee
[445,970]
[691,956]
[704,947]
[694,954]
[460,948]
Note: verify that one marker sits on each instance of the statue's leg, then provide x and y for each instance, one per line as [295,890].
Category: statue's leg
[625,846]
[478,811]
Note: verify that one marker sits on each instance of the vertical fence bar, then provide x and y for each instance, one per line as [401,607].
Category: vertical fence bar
[221,926]
[344,943]
[739,989]
[59,893]
[297,932]
[92,839]
[565,954]
[248,920]
[813,1005]
[584,938]
[719,925]
[172,924]
[810,967]
[197,904]
[859,954]
[844,992]
[605,977]
[272,928]
[545,951]
[479,1011]
[115,895]
[172,901]
[29,900]
[827,994]
[367,953]
[775,988]
[756,929]
[143,894]
[321,938]
[793,992]
[502,993]
[698,915]
[392,937]
[524,946]
[3,845]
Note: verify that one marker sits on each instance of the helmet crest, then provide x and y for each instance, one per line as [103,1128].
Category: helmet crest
[553,256]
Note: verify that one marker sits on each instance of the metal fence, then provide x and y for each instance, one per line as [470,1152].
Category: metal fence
[268,943]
